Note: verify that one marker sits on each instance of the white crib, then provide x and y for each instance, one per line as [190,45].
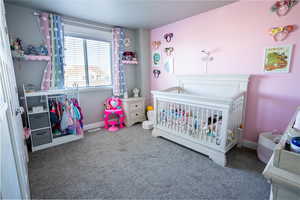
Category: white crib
[203,113]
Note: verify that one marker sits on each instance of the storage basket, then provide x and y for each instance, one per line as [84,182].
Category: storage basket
[266,144]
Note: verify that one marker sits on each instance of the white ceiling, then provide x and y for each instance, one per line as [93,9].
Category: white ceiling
[127,13]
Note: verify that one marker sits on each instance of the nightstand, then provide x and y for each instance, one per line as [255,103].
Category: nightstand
[134,109]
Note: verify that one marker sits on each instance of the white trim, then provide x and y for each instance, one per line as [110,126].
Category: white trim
[58,141]
[93,89]
[93,125]
[249,144]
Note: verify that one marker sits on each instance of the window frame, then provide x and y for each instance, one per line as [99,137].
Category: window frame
[86,65]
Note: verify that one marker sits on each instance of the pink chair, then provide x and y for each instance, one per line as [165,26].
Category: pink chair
[113,108]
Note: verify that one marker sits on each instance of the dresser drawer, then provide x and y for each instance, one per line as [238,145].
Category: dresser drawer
[136,106]
[40,120]
[136,115]
[41,137]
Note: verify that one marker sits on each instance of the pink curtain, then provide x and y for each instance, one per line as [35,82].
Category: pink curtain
[45,30]
[118,46]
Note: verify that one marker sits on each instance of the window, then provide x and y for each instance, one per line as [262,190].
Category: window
[87,62]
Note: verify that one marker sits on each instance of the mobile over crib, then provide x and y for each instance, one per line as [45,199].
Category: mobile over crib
[204,113]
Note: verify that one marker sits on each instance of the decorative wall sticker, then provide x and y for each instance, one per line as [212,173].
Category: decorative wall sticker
[156,73]
[169,51]
[168,36]
[156,44]
[156,57]
[207,58]
[169,64]
[278,58]
[282,32]
[282,7]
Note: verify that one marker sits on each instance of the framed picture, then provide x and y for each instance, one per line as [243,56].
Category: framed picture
[278,59]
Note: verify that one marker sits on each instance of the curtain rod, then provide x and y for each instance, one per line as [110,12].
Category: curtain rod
[81,22]
[75,21]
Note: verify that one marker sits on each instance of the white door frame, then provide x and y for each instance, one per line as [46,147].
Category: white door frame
[8,82]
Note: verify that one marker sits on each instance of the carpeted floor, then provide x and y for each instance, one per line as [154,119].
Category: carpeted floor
[132,164]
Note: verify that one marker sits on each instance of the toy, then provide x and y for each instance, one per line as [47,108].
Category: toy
[282,32]
[113,107]
[16,45]
[129,56]
[136,92]
[31,50]
[282,7]
[17,48]
[42,50]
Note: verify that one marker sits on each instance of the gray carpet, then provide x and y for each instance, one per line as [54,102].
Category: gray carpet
[132,164]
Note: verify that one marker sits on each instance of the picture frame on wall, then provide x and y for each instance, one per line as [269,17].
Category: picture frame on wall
[277,59]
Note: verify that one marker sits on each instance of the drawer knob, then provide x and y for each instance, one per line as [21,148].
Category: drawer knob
[136,105]
[136,114]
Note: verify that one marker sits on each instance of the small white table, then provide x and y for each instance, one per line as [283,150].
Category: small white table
[134,109]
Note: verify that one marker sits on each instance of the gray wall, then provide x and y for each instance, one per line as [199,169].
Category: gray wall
[145,60]
[22,24]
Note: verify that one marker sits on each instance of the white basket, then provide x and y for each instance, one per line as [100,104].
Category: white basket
[266,145]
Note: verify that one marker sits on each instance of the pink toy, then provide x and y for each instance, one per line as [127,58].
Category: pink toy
[113,107]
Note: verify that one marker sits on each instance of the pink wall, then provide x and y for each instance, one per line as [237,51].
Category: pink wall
[237,35]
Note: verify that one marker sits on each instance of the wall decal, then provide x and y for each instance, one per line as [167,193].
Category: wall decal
[156,73]
[156,58]
[282,32]
[169,64]
[169,51]
[278,58]
[282,7]
[168,36]
[156,44]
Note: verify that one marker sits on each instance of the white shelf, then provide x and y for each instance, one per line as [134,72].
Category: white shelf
[38,129]
[33,113]
[58,141]
[48,92]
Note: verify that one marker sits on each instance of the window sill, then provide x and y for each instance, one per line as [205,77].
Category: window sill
[93,89]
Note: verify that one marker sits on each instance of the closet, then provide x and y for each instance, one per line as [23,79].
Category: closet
[54,117]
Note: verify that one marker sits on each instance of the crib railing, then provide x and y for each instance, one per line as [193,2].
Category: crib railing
[213,126]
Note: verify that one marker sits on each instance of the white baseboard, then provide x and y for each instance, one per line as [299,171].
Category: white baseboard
[93,125]
[250,144]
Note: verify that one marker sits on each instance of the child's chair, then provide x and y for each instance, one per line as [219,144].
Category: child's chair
[113,107]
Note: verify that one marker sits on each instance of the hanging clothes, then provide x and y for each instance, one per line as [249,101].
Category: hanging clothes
[76,104]
[65,117]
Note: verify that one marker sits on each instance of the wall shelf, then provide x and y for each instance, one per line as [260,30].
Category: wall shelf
[127,62]
[32,58]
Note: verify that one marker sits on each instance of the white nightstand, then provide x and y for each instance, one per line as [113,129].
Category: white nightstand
[134,109]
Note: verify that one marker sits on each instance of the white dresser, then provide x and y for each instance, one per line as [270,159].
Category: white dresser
[134,109]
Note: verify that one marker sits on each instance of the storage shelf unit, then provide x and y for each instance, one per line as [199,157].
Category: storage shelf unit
[42,136]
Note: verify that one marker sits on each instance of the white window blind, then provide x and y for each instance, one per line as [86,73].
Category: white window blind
[87,62]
